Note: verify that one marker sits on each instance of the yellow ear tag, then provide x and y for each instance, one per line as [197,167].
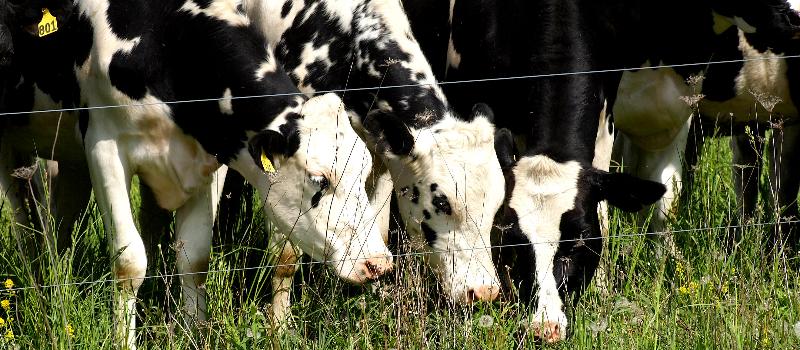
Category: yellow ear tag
[266,163]
[49,23]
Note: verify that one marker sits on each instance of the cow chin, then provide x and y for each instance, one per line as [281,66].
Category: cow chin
[465,277]
[365,260]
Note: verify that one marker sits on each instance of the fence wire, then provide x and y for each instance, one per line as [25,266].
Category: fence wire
[453,82]
[401,255]
[376,88]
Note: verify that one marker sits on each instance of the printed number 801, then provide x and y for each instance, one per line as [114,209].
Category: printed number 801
[48,28]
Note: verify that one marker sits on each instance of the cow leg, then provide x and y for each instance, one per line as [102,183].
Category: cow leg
[664,166]
[69,196]
[603,149]
[746,149]
[785,181]
[282,279]
[111,178]
[194,225]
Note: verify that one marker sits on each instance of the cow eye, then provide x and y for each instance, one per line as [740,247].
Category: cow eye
[320,181]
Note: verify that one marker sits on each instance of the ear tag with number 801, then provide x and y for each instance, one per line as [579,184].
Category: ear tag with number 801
[49,23]
[266,163]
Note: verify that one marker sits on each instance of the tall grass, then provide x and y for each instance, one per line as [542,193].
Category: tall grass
[713,299]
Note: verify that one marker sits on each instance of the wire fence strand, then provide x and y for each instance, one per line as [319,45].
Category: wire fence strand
[357,89]
[401,255]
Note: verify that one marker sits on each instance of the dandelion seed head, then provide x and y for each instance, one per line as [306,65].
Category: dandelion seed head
[796,329]
[485,321]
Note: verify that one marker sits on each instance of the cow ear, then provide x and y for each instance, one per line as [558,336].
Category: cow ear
[505,148]
[266,147]
[624,191]
[391,131]
[482,110]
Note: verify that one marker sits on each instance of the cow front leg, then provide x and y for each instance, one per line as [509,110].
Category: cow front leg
[282,279]
[746,166]
[195,220]
[71,190]
[785,182]
[111,179]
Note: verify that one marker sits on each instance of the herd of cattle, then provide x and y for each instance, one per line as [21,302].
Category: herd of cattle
[177,91]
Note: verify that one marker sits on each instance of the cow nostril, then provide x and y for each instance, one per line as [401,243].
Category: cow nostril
[373,271]
[471,296]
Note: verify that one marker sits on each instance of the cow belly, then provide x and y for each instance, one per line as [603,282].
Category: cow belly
[650,107]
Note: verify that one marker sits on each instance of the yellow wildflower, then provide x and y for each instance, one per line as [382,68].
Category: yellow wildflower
[70,330]
[9,284]
[9,335]
[5,304]
[2,322]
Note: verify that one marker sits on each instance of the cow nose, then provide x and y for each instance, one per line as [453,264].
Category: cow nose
[482,293]
[372,268]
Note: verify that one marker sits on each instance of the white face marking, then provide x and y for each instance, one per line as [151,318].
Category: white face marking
[460,160]
[226,104]
[543,192]
[340,227]
[224,10]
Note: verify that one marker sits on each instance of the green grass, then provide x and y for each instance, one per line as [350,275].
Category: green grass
[712,300]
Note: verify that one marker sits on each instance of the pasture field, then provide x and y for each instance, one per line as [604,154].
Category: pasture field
[712,299]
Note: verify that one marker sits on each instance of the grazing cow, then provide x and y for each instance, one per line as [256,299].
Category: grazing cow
[554,153]
[446,177]
[38,83]
[763,90]
[548,149]
[653,108]
[130,59]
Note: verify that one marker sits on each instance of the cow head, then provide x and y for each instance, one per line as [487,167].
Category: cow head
[773,18]
[24,16]
[317,168]
[449,186]
[551,212]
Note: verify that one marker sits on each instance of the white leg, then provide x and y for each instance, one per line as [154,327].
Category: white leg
[282,278]
[194,222]
[111,178]
[664,166]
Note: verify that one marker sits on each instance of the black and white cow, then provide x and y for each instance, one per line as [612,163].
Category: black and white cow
[763,90]
[301,154]
[553,185]
[446,177]
[654,106]
[47,84]
[554,154]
